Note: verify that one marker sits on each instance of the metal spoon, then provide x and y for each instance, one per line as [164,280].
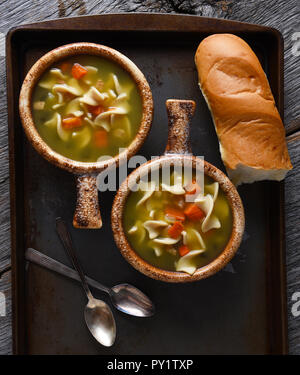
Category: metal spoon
[124,297]
[98,316]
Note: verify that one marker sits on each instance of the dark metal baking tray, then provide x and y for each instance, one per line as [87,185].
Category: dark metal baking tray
[241,310]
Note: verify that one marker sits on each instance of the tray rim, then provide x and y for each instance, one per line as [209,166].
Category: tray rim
[278,343]
[55,22]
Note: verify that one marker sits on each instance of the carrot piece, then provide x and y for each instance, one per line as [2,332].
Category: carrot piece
[65,66]
[175,213]
[95,110]
[100,138]
[78,71]
[175,230]
[192,188]
[193,212]
[183,250]
[71,122]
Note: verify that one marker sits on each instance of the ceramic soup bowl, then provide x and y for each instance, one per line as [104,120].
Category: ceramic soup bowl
[87,213]
[178,151]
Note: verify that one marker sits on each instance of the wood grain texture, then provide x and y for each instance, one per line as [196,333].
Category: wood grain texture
[280,14]
[292,212]
[4,183]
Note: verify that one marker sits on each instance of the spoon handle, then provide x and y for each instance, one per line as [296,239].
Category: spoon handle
[66,240]
[43,260]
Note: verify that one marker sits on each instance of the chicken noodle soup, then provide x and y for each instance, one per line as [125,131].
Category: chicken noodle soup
[169,231]
[86,107]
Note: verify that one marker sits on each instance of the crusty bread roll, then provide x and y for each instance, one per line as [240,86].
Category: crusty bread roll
[250,131]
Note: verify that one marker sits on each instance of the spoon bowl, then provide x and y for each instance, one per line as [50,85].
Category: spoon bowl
[131,300]
[100,321]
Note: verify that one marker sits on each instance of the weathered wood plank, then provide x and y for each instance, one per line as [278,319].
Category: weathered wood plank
[4,183]
[292,212]
[277,13]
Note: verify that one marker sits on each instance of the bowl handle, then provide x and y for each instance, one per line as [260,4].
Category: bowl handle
[87,213]
[180,113]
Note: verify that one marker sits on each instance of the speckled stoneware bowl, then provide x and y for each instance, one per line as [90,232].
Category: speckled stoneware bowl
[87,213]
[178,151]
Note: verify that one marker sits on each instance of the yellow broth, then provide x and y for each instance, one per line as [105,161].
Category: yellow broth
[87,142]
[215,239]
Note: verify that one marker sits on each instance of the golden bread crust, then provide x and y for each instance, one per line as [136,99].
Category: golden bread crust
[246,119]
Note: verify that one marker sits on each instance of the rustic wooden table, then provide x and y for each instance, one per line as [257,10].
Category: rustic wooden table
[281,14]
